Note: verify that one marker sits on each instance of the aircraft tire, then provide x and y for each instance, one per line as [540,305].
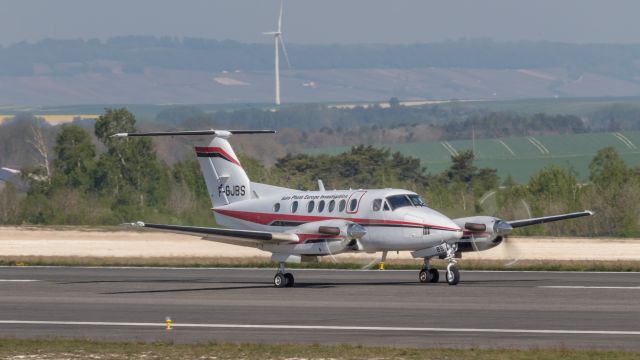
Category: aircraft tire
[423,276]
[280,280]
[434,275]
[290,280]
[455,279]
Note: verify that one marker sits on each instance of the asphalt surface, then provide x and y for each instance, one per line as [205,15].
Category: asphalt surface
[487,309]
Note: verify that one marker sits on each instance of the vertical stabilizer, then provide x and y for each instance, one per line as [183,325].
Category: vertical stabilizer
[226,180]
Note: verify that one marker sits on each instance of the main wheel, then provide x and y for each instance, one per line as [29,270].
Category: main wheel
[423,276]
[289,278]
[434,275]
[280,280]
[453,275]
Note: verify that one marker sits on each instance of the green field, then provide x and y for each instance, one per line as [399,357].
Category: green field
[520,157]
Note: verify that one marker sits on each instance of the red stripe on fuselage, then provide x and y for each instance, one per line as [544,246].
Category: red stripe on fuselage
[212,150]
[267,218]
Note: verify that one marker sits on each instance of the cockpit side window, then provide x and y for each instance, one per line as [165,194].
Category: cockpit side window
[417,200]
[398,201]
[386,206]
[377,204]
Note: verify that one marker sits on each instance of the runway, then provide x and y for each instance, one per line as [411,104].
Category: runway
[487,309]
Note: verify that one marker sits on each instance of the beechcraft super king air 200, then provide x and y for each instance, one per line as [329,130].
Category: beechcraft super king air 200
[295,225]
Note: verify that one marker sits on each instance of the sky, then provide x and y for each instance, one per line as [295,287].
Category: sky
[325,21]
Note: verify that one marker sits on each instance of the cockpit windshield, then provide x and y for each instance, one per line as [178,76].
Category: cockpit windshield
[398,201]
[417,200]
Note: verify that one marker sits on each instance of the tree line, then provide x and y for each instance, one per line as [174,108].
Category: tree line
[123,180]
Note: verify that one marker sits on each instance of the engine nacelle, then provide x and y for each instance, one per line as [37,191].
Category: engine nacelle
[481,232]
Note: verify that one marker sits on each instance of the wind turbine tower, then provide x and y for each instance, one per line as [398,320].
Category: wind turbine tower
[278,42]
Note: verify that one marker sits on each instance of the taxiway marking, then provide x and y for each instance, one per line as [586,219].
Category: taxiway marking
[589,287]
[319,327]
[18,280]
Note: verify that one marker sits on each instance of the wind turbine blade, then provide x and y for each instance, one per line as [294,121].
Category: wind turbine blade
[284,51]
[280,17]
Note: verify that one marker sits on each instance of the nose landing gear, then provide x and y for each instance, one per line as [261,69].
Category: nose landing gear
[429,274]
[453,274]
[283,279]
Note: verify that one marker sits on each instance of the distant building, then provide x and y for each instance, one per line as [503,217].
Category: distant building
[8,175]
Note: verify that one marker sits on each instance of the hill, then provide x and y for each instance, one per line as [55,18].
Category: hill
[147,70]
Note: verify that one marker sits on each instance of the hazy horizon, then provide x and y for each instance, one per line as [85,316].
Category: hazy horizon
[329,21]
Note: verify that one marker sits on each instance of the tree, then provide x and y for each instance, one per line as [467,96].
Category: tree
[554,186]
[40,145]
[394,102]
[74,161]
[9,204]
[129,170]
[607,170]
[462,169]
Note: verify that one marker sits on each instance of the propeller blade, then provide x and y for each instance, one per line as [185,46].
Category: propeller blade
[510,252]
[370,265]
[284,50]
[473,242]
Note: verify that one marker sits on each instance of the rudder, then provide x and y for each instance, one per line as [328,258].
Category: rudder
[226,180]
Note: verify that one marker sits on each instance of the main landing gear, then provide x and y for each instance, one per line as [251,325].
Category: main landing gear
[283,279]
[429,274]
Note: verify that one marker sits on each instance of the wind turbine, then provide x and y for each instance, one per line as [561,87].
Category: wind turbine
[277,36]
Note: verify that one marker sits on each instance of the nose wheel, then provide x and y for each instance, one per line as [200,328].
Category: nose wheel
[283,279]
[453,274]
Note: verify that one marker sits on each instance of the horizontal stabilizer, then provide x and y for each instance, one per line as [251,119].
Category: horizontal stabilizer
[546,219]
[222,133]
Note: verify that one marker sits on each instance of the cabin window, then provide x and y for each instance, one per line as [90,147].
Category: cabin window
[321,206]
[342,206]
[353,205]
[276,207]
[294,206]
[332,205]
[377,204]
[386,206]
[311,205]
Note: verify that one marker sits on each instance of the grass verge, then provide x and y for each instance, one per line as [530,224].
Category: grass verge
[84,349]
[261,262]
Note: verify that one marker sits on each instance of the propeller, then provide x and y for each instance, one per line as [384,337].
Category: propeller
[375,261]
[352,233]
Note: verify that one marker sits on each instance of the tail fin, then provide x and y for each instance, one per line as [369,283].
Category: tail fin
[226,180]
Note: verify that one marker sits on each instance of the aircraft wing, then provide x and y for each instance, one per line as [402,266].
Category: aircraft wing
[546,219]
[223,235]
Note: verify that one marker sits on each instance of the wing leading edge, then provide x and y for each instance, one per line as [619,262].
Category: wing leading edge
[242,235]
[546,219]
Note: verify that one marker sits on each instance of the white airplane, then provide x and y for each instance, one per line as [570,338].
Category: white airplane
[297,225]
